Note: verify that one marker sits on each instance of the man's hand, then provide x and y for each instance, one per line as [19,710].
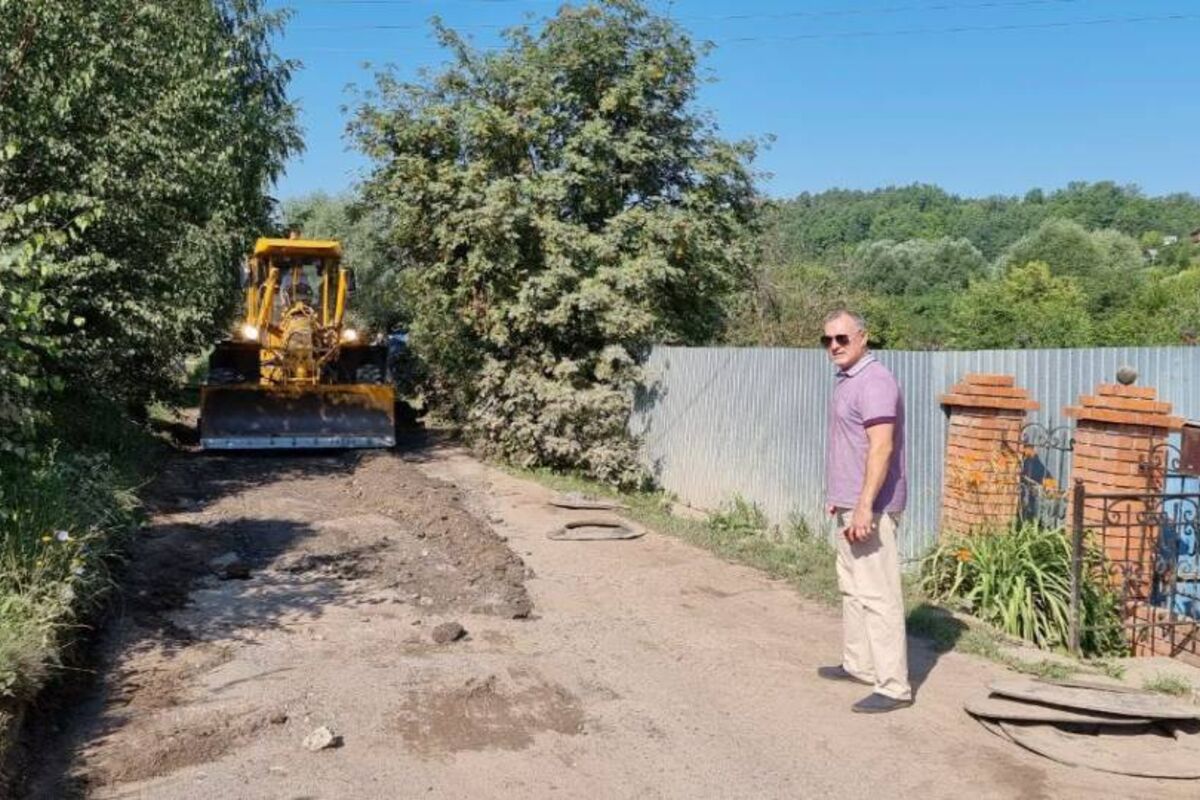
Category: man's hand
[862,525]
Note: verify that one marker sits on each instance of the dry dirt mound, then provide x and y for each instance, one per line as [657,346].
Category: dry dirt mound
[492,712]
[240,549]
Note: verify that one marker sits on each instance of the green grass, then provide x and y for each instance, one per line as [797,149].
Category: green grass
[740,532]
[1109,669]
[65,511]
[948,631]
[1173,685]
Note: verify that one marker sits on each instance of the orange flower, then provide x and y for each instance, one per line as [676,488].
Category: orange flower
[1050,485]
[963,555]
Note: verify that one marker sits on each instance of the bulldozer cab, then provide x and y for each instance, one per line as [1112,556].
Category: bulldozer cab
[287,272]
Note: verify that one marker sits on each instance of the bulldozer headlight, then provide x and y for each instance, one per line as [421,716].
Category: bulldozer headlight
[249,333]
[350,335]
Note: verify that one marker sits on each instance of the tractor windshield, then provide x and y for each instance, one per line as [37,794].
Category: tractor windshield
[301,280]
[305,279]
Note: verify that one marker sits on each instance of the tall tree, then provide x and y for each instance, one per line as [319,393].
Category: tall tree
[559,205]
[137,143]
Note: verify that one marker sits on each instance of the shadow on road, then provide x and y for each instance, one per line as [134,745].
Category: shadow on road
[932,632]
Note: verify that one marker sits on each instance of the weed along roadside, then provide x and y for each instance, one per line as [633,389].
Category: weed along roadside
[69,508]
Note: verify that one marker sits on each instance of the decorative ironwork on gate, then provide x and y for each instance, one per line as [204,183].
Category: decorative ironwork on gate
[1144,548]
[1045,465]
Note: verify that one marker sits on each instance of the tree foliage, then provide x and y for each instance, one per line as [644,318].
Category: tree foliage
[916,266]
[786,307]
[1107,264]
[1165,309]
[829,225]
[557,206]
[1027,307]
[137,141]
[906,255]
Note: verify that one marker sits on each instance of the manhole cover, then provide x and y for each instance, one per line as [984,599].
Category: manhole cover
[592,530]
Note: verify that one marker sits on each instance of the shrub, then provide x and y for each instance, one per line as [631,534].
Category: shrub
[1020,581]
[740,530]
[739,516]
[64,513]
[558,205]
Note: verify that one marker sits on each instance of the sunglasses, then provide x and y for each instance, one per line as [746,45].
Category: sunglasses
[842,339]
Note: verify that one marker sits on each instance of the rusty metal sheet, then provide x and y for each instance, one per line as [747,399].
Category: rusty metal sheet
[1141,704]
[1148,751]
[1003,708]
[1189,449]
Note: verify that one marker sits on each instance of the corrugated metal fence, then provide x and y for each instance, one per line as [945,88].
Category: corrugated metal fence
[718,422]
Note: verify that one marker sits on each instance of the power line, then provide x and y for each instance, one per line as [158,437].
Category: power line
[411,3]
[858,12]
[1018,26]
[896,33]
[814,14]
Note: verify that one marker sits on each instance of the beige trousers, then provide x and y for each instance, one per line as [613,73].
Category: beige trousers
[874,645]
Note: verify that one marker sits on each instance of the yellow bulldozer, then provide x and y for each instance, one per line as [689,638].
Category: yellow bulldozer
[294,374]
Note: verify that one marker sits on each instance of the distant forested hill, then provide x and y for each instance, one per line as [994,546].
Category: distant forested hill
[1091,264]
[829,224]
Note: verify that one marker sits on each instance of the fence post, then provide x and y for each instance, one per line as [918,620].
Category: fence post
[1119,435]
[983,452]
[1076,564]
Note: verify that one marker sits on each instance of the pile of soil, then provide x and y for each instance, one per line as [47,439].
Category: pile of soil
[305,533]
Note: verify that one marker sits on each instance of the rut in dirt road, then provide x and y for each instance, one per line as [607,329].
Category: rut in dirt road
[315,539]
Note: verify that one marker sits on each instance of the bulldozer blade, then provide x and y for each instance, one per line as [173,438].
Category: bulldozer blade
[255,417]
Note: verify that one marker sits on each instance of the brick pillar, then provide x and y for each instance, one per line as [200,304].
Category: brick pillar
[1119,433]
[983,452]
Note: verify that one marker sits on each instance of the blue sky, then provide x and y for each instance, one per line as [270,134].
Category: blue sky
[980,97]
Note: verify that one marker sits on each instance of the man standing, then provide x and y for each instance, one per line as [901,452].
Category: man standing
[865,490]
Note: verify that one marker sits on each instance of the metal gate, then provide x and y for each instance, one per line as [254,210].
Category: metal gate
[1142,550]
[1045,467]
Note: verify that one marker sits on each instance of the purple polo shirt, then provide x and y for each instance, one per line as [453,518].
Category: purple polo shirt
[866,394]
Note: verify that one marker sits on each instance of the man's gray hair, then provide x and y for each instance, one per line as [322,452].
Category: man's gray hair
[838,313]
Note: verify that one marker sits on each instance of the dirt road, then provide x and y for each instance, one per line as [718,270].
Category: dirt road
[611,669]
